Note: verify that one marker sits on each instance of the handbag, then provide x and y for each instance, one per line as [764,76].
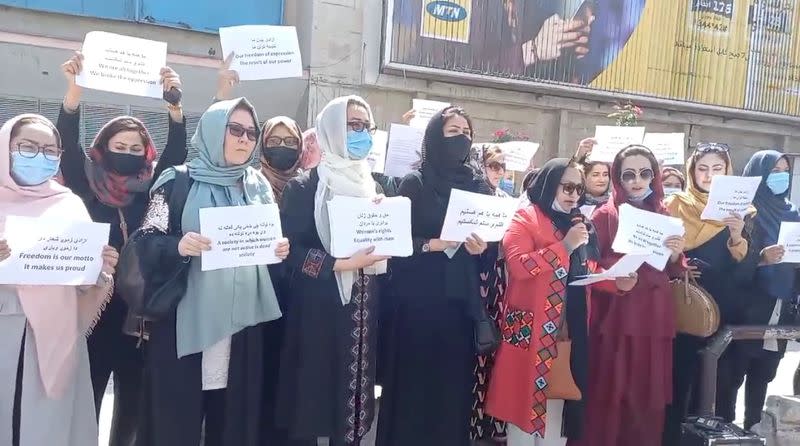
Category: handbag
[560,382]
[150,290]
[486,333]
[696,312]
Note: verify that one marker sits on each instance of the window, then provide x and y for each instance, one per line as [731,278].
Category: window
[200,15]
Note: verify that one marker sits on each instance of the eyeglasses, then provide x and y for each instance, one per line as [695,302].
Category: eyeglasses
[30,150]
[238,131]
[569,188]
[629,176]
[289,141]
[360,126]
[712,147]
[496,167]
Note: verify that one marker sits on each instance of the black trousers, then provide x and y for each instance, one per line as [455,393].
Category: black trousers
[685,380]
[110,350]
[759,366]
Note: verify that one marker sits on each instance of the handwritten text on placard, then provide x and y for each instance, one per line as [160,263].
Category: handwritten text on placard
[485,215]
[729,195]
[643,232]
[262,51]
[358,223]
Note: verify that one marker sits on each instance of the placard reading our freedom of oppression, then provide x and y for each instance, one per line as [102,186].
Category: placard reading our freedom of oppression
[240,235]
[487,216]
[729,195]
[262,51]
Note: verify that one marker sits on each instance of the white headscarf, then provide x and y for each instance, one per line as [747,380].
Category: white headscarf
[340,175]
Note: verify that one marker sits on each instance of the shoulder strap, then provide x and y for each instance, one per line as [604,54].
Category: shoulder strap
[177,198]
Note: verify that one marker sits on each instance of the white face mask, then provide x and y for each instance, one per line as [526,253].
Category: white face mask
[671,191]
[557,207]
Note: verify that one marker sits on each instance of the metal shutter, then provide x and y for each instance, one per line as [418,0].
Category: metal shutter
[157,124]
[10,107]
[94,117]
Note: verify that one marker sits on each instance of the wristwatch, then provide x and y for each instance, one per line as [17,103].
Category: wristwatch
[426,247]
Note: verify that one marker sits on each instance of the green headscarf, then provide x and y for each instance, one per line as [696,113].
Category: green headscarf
[221,303]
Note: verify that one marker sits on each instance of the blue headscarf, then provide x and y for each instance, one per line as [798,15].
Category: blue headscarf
[221,303]
[776,280]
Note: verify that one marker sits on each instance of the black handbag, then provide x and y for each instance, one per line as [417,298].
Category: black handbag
[486,333]
[150,290]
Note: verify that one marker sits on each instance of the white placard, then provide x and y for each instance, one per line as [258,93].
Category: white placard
[485,215]
[122,64]
[240,235]
[789,238]
[404,150]
[46,251]
[669,148]
[377,156]
[728,195]
[626,265]
[358,223]
[425,110]
[518,154]
[262,51]
[587,210]
[612,139]
[643,232]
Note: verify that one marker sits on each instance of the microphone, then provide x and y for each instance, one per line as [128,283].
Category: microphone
[577,217]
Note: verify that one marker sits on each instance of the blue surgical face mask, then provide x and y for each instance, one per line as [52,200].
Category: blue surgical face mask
[642,197]
[32,171]
[778,182]
[358,144]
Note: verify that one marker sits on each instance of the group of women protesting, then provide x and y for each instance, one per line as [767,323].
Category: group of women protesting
[289,353]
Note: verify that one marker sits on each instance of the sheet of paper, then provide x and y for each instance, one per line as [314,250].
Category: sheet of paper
[425,111]
[643,232]
[729,194]
[240,235]
[122,64]
[487,216]
[358,223]
[626,265]
[789,238]
[45,251]
[518,154]
[612,139]
[587,210]
[377,156]
[669,148]
[262,51]
[404,150]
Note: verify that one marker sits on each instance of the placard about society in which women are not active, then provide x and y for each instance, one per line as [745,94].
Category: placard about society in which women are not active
[240,235]
[469,213]
[53,252]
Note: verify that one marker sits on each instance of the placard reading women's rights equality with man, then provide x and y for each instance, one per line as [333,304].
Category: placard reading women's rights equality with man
[262,51]
[643,232]
[53,252]
[358,223]
[729,195]
[485,215]
[240,235]
[122,64]
[789,238]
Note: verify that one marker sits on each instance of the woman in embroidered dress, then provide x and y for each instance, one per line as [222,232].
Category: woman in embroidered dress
[114,182]
[204,360]
[328,362]
[631,333]
[46,393]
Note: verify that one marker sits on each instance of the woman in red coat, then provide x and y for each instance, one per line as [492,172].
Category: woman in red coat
[543,254]
[630,335]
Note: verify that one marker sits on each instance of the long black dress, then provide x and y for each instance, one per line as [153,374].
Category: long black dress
[327,369]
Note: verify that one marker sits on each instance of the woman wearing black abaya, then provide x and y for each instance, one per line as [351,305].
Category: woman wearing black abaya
[427,394]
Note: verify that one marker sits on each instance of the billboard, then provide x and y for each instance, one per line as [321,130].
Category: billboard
[743,54]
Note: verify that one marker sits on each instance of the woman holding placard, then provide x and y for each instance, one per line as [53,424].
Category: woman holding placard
[114,181]
[630,339]
[435,296]
[46,389]
[724,265]
[204,360]
[770,299]
[327,374]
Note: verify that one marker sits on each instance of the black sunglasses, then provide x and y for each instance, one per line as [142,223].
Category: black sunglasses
[289,141]
[712,147]
[238,131]
[569,188]
[629,176]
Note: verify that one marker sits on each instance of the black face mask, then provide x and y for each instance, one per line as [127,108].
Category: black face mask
[124,163]
[281,158]
[455,150]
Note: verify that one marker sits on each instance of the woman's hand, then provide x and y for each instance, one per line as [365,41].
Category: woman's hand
[193,244]
[282,249]
[169,80]
[577,236]
[72,68]
[585,147]
[5,250]
[626,284]
[675,243]
[695,272]
[363,258]
[556,35]
[378,199]
[735,224]
[772,254]
[226,79]
[408,116]
[475,245]
[439,245]
[110,258]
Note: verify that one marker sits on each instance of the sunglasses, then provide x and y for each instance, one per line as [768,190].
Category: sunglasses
[629,176]
[289,141]
[238,131]
[712,147]
[569,188]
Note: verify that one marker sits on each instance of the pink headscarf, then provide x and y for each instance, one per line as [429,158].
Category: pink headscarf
[58,315]
[312,154]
